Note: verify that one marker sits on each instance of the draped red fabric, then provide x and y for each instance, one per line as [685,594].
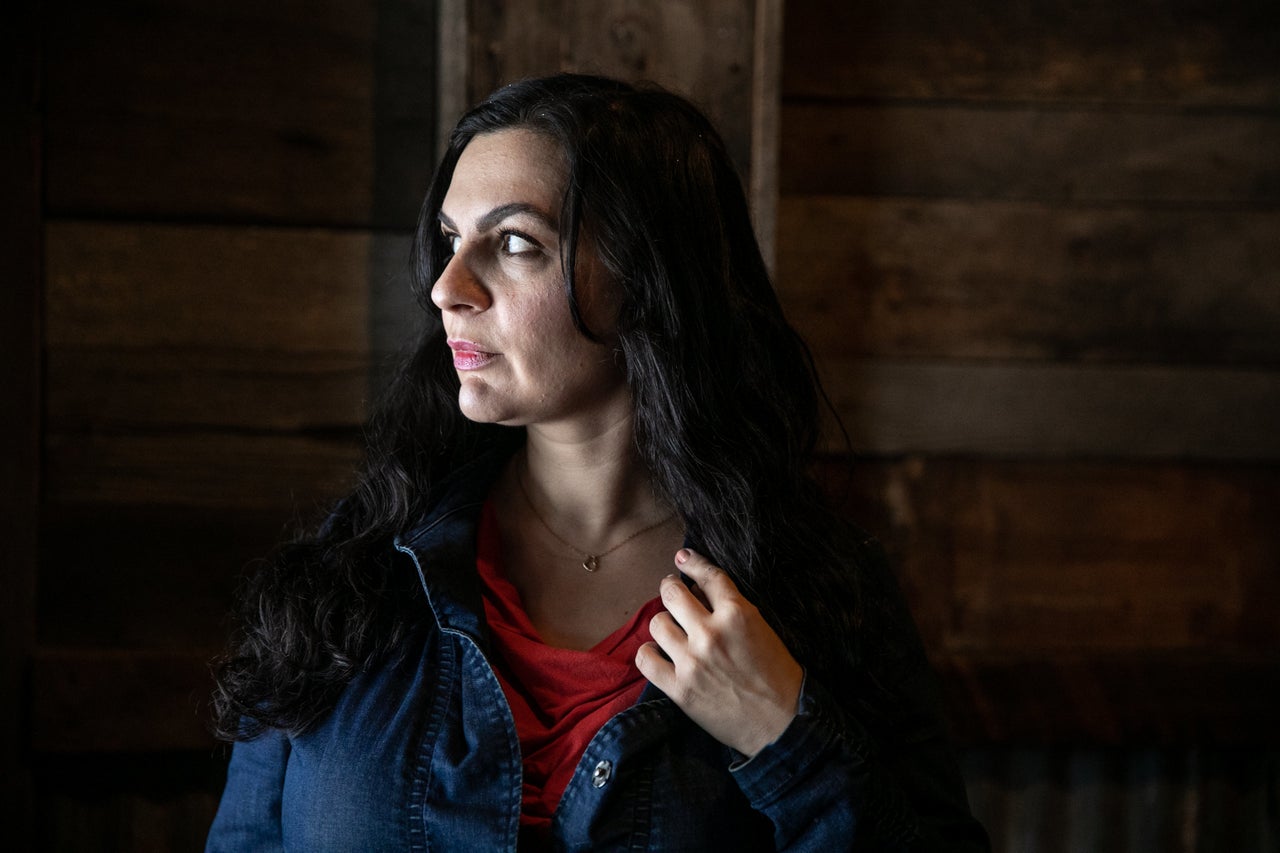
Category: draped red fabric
[560,697]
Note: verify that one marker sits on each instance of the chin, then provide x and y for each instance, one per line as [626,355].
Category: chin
[481,406]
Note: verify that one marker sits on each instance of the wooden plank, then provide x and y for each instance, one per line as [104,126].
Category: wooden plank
[1078,558]
[1114,700]
[128,803]
[149,576]
[154,387]
[704,49]
[1030,409]
[96,700]
[766,119]
[1154,51]
[508,40]
[254,328]
[278,112]
[406,109]
[1056,155]
[264,289]
[994,279]
[20,252]
[200,469]
[453,56]
[1101,556]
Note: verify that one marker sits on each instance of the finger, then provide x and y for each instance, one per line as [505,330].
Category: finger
[654,667]
[668,634]
[682,603]
[714,582]
[700,595]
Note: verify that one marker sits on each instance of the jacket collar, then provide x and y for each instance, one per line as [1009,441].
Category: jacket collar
[443,546]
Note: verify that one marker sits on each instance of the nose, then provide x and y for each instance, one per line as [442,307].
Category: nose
[459,288]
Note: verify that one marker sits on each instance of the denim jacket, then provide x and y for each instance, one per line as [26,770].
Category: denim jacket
[422,754]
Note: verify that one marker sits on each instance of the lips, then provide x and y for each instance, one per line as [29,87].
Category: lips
[469,356]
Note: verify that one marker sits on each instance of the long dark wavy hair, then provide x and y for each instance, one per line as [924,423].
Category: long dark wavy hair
[726,416]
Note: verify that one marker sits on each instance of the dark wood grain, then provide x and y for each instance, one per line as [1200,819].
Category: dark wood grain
[206,287]
[180,386]
[1054,410]
[1114,700]
[704,50]
[1079,558]
[1177,52]
[1034,152]
[180,326]
[151,577]
[98,700]
[240,111]
[20,339]
[129,802]
[200,469]
[1025,280]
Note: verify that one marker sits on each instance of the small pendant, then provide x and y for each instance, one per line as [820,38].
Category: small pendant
[592,563]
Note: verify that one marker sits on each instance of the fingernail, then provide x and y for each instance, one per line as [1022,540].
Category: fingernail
[682,556]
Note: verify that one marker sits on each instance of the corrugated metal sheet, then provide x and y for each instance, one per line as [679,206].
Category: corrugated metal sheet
[1090,800]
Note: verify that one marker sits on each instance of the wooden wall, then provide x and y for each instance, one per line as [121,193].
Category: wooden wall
[20,298]
[1034,246]
[1036,249]
[228,194]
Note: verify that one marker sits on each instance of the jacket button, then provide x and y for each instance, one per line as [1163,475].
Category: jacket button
[601,774]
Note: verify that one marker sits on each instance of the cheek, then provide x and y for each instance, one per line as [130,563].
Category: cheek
[544,332]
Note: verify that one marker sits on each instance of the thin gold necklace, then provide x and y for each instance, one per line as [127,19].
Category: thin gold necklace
[590,562]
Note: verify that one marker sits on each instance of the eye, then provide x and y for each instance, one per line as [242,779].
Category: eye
[514,243]
[453,242]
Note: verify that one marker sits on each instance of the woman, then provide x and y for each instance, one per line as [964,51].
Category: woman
[586,595]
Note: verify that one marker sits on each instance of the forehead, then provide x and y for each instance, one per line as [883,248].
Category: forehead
[506,166]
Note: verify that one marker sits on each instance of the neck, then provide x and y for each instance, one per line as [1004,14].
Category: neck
[593,484]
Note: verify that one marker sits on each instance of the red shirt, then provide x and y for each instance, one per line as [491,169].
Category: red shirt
[559,697]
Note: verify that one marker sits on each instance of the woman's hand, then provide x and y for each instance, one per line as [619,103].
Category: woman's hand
[727,669]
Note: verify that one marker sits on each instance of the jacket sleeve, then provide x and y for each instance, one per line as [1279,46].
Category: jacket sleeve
[248,818]
[845,777]
[826,785]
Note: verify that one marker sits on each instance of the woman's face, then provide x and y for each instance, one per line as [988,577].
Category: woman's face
[519,358]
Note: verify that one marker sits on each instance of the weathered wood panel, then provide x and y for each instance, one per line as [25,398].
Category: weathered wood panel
[993,279]
[1043,152]
[98,700]
[280,112]
[150,577]
[20,384]
[118,803]
[703,49]
[266,289]
[766,119]
[1154,51]
[720,53]
[199,469]
[151,326]
[1034,409]
[1041,558]
[1115,700]
[145,388]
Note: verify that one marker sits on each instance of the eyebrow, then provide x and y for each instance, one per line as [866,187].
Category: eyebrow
[501,212]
